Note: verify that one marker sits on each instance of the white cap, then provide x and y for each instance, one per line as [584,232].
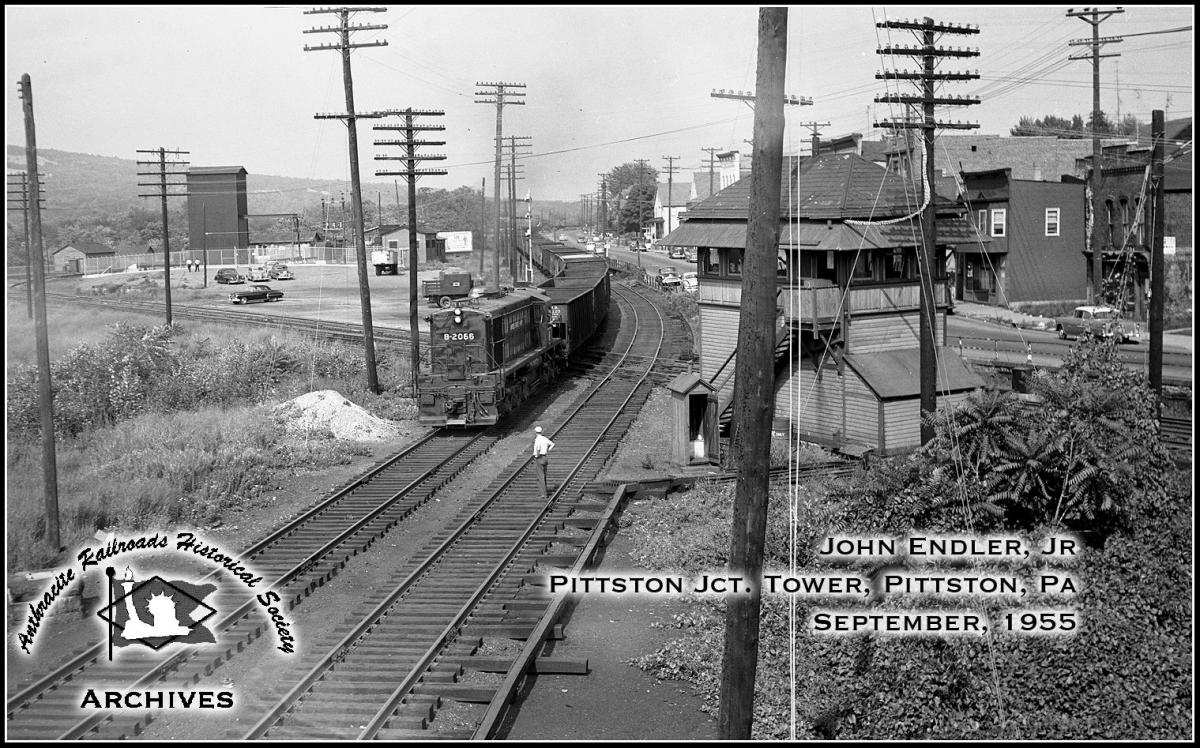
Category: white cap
[537,429]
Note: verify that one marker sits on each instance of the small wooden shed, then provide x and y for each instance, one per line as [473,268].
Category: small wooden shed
[695,437]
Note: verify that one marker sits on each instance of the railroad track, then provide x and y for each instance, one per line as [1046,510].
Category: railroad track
[391,672]
[294,560]
[1177,436]
[664,371]
[299,557]
[239,316]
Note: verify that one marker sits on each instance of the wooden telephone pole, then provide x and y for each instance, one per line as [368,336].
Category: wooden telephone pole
[711,163]
[1094,17]
[163,193]
[512,171]
[344,46]
[499,95]
[931,260]
[1158,267]
[755,381]
[19,197]
[45,392]
[671,170]
[411,173]
[815,129]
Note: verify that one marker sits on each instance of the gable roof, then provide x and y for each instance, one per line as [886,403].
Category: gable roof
[88,248]
[895,374]
[830,186]
[701,180]
[217,170]
[680,193]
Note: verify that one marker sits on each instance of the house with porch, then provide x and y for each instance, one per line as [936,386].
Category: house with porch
[670,201]
[847,335]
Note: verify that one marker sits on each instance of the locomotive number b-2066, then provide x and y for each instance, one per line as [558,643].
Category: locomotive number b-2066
[490,355]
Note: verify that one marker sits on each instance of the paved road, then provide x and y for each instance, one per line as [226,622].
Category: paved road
[983,342]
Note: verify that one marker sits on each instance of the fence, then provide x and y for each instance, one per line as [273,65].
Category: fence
[218,258]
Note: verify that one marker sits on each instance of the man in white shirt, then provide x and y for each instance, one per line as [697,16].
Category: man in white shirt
[541,455]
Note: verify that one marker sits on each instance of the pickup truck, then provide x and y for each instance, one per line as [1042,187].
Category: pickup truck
[255,293]
[447,287]
[1101,320]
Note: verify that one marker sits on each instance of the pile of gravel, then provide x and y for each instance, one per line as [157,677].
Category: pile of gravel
[328,410]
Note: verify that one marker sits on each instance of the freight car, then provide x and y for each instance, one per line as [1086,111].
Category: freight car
[487,356]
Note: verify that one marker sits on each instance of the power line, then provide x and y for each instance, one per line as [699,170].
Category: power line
[344,45]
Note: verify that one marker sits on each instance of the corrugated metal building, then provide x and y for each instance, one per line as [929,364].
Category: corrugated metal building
[217,208]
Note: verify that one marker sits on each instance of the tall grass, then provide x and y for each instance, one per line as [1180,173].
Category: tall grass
[162,425]
[155,471]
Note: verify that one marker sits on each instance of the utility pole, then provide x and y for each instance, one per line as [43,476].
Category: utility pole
[643,169]
[931,260]
[1157,261]
[18,197]
[748,97]
[754,376]
[344,46]
[482,225]
[411,173]
[1094,17]
[815,129]
[586,199]
[602,205]
[163,194]
[529,227]
[499,95]
[711,163]
[45,392]
[513,175]
[670,170]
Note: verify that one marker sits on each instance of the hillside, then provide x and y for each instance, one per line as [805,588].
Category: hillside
[90,197]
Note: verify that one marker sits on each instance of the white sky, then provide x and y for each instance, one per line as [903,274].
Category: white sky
[606,84]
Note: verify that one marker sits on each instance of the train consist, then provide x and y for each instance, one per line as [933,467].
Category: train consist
[489,354]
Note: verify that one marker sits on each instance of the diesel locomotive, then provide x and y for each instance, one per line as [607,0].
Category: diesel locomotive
[489,354]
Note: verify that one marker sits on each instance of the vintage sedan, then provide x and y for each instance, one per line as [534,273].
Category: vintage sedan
[228,275]
[255,293]
[1101,320]
[281,273]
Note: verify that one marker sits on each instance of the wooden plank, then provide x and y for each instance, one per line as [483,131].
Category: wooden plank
[560,666]
[458,692]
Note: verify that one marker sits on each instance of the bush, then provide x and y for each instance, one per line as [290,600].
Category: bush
[139,369]
[155,470]
[1126,673]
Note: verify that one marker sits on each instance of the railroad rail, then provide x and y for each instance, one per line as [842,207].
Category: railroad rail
[294,560]
[388,675]
[344,524]
[239,316]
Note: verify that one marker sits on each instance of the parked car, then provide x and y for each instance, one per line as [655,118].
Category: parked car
[258,275]
[670,283]
[676,253]
[228,275]
[690,282]
[281,273]
[255,293]
[1101,320]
